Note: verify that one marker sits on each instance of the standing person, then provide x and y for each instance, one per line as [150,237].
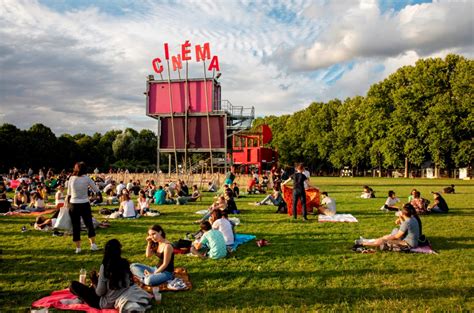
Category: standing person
[113,283]
[79,205]
[158,246]
[230,176]
[298,190]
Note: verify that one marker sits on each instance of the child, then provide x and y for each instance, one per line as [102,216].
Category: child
[390,202]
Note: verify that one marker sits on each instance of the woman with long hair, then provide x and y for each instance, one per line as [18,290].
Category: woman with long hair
[79,205]
[158,246]
[113,280]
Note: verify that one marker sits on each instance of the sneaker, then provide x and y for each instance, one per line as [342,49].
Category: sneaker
[305,219]
[57,234]
[258,203]
[23,229]
[78,250]
[94,247]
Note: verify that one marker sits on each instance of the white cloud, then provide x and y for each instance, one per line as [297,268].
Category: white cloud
[362,31]
[84,69]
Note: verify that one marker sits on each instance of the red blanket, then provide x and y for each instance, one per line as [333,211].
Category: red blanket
[54,301]
[312,199]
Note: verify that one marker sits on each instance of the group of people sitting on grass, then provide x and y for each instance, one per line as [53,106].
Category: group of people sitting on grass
[421,205]
[410,234]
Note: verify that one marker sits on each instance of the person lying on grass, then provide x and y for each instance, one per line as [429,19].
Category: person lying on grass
[390,203]
[328,205]
[212,244]
[113,284]
[275,198]
[158,246]
[220,203]
[404,238]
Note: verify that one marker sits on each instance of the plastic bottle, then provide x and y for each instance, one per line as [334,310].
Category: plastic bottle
[82,276]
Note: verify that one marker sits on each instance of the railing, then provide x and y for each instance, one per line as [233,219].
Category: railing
[237,111]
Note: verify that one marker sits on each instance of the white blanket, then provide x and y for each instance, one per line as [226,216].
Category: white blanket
[337,218]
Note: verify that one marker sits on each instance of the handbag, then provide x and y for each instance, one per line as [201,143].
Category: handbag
[64,220]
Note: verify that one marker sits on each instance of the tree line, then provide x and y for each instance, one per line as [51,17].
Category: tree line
[39,147]
[419,113]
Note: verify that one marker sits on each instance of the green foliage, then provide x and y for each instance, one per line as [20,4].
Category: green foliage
[308,267]
[422,112]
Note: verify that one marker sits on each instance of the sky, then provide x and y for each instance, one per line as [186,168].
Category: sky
[80,66]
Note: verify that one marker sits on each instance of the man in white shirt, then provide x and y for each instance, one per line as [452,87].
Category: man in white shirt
[120,187]
[328,205]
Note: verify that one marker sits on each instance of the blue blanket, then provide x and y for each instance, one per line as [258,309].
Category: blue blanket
[240,239]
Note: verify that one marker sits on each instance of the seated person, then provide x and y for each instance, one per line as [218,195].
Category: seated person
[439,204]
[231,206]
[185,199]
[222,224]
[5,205]
[328,205]
[160,197]
[96,198]
[211,187]
[235,190]
[59,196]
[220,203]
[390,203]
[143,204]
[251,186]
[112,283]
[211,245]
[264,184]
[406,237]
[367,193]
[275,198]
[412,195]
[127,207]
[21,200]
[36,204]
[420,204]
[159,246]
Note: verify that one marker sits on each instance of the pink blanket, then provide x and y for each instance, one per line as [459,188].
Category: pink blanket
[54,301]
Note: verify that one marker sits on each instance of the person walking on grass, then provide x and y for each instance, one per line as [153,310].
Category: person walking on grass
[79,205]
[299,179]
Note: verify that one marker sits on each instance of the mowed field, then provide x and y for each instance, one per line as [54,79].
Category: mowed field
[308,266]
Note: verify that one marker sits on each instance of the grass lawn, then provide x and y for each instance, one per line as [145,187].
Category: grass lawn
[307,267]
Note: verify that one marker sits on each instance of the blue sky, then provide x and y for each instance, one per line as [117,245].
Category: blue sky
[80,66]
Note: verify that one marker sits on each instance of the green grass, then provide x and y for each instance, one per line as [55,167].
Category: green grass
[307,267]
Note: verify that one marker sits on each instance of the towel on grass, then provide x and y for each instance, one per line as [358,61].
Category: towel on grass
[15,213]
[425,250]
[337,218]
[54,301]
[240,239]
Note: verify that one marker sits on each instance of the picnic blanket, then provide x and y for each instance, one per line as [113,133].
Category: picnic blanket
[349,218]
[241,239]
[14,213]
[54,301]
[312,199]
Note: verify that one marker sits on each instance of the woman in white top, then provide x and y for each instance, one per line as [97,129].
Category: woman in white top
[59,196]
[390,203]
[79,205]
[127,207]
[222,224]
[143,202]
